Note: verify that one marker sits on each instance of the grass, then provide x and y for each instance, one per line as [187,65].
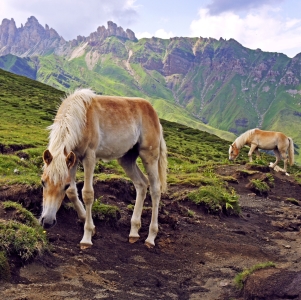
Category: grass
[4,267]
[259,186]
[216,199]
[20,236]
[22,215]
[22,240]
[293,201]
[242,277]
[105,212]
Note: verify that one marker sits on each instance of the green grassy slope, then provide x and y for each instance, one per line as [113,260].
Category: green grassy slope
[28,107]
[224,88]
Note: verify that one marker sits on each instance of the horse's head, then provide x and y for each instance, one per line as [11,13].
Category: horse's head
[233,151]
[55,181]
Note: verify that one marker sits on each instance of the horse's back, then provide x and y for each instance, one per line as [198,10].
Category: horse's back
[115,124]
[270,139]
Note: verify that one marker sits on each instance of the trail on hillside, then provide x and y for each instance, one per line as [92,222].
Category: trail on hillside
[197,255]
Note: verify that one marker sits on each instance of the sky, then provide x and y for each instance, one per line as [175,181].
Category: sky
[270,25]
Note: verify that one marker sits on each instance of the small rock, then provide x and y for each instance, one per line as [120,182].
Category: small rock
[224,283]
[287,246]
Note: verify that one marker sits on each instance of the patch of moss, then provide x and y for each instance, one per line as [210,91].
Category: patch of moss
[293,201]
[242,277]
[22,240]
[105,212]
[22,215]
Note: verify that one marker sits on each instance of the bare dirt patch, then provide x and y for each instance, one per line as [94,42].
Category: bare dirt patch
[194,258]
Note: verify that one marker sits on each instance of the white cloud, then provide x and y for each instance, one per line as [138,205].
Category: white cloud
[160,33]
[255,30]
[145,34]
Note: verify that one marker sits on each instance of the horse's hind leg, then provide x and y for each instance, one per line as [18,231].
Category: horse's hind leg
[150,162]
[278,157]
[73,197]
[285,159]
[128,163]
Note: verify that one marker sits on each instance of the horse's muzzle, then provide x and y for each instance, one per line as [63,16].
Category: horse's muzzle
[47,223]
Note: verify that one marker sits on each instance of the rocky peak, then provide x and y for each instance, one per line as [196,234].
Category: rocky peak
[34,39]
[30,39]
[102,33]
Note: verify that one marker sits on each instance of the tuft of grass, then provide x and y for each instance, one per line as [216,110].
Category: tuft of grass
[293,201]
[22,215]
[216,199]
[105,212]
[270,179]
[4,267]
[259,186]
[22,240]
[190,213]
[242,277]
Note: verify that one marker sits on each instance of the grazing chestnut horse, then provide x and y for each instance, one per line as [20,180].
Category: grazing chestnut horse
[89,127]
[266,140]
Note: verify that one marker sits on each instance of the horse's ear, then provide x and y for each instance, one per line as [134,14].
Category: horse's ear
[70,159]
[47,157]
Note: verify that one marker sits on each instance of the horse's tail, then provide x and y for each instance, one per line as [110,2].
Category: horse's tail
[162,163]
[291,151]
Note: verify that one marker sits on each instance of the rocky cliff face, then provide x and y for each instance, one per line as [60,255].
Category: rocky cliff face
[33,39]
[29,40]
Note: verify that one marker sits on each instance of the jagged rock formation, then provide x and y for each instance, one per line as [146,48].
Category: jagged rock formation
[33,39]
[29,40]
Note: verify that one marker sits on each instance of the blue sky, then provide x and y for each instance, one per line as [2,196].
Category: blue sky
[271,25]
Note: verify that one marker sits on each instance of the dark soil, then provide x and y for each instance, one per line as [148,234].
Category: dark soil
[195,257]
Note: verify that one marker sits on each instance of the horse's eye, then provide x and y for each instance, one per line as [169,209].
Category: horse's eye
[43,183]
[67,186]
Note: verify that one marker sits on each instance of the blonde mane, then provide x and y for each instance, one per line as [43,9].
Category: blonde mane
[66,130]
[241,140]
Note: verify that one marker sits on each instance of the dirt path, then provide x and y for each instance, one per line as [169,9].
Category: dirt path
[195,258]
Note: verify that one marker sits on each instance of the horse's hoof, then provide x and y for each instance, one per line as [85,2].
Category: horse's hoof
[84,246]
[133,240]
[149,245]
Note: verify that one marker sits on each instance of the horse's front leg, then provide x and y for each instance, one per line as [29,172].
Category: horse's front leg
[88,197]
[252,149]
[73,196]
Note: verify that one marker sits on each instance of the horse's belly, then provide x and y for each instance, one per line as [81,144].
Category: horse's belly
[115,147]
[267,146]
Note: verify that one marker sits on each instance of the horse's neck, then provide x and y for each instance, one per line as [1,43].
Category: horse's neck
[242,139]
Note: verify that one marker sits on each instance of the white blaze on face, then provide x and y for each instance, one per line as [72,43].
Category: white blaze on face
[230,150]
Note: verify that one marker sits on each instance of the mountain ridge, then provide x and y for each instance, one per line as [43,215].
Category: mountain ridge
[217,82]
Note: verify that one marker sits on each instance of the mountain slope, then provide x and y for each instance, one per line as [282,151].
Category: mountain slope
[211,82]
